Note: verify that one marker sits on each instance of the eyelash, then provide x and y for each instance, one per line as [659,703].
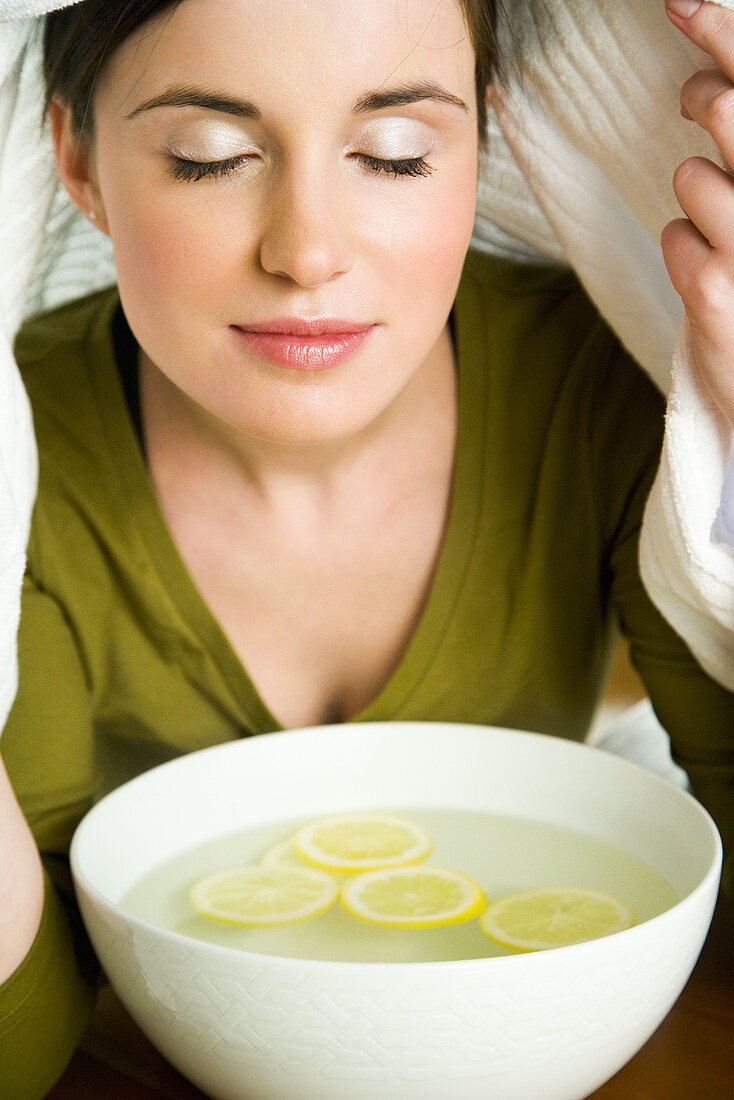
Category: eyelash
[408,166]
[193,170]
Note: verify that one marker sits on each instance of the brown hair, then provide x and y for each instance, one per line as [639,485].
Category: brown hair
[78,40]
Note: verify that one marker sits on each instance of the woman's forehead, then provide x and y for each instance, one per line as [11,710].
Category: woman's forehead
[282,52]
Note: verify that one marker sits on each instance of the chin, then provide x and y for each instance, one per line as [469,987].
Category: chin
[301,434]
[328,422]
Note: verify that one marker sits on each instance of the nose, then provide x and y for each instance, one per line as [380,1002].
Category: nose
[307,238]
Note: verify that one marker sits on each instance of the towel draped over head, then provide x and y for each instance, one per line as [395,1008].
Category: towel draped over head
[580,169]
[581,156]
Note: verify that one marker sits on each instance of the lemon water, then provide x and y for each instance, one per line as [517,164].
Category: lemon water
[503,854]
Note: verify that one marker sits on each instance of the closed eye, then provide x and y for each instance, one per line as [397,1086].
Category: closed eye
[407,166]
[190,171]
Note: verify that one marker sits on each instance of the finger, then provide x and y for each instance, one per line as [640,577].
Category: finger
[706,195]
[708,99]
[709,27]
[706,289]
[703,282]
[686,253]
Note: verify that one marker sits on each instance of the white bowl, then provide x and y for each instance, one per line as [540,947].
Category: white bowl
[553,1025]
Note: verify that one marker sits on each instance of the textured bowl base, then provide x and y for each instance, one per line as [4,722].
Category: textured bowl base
[579,1080]
[262,1030]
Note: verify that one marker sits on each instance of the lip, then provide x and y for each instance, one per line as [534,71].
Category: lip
[307,326]
[305,344]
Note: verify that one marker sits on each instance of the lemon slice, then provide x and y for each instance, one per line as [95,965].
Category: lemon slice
[535,920]
[362,842]
[264,895]
[282,854]
[413,897]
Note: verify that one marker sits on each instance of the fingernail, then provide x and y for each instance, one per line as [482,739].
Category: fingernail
[684,8]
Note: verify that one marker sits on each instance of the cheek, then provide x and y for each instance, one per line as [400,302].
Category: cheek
[165,236]
[424,242]
[174,270]
[157,243]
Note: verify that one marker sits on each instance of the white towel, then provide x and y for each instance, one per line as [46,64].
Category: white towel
[596,131]
[581,168]
[49,253]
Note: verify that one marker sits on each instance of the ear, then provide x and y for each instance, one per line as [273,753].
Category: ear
[75,164]
[488,95]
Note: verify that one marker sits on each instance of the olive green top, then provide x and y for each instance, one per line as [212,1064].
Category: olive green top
[123,665]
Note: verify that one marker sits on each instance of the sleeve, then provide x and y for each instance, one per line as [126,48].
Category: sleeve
[696,711]
[48,749]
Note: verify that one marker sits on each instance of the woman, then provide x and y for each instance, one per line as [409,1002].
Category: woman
[307,462]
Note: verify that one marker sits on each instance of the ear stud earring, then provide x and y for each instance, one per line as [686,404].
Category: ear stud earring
[92,215]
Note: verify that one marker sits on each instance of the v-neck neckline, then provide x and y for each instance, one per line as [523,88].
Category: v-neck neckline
[457,543]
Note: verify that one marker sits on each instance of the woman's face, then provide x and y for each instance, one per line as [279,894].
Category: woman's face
[270,162]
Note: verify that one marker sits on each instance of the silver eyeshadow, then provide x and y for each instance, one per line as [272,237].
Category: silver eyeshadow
[215,141]
[384,138]
[394,139]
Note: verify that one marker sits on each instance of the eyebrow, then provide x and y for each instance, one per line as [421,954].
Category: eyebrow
[406,93]
[182,95]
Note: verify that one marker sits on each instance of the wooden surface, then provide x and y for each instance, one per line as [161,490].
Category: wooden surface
[690,1057]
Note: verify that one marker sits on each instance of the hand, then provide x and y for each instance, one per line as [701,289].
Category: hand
[699,249]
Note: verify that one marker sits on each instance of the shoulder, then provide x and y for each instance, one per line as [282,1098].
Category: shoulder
[560,389]
[525,288]
[57,341]
[531,324]
[65,357]
[547,328]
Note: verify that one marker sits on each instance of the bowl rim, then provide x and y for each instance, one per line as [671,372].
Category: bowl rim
[560,744]
[708,882]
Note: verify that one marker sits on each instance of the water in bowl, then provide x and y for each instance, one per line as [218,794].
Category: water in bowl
[503,854]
